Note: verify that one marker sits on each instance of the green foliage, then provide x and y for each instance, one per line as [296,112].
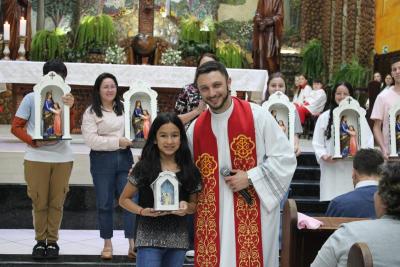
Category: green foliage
[313,59]
[230,54]
[48,45]
[352,72]
[238,31]
[233,2]
[192,49]
[95,32]
[192,29]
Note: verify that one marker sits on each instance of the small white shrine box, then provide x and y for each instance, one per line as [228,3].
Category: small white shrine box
[140,105]
[166,191]
[51,115]
[348,129]
[283,111]
[394,131]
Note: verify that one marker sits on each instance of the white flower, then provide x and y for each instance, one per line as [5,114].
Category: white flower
[171,57]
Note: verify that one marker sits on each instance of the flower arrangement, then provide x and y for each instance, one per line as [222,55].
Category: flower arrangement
[115,55]
[171,57]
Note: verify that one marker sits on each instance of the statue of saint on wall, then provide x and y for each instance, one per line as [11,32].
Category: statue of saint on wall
[267,35]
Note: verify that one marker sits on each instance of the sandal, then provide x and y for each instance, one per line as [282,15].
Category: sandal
[106,253]
[131,253]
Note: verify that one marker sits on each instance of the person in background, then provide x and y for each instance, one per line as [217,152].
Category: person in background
[388,81]
[276,82]
[162,236]
[189,104]
[380,112]
[334,173]
[381,235]
[360,202]
[103,126]
[303,90]
[314,103]
[47,168]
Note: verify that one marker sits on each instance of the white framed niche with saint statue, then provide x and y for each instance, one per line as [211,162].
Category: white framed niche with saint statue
[394,131]
[140,105]
[349,132]
[166,192]
[283,111]
[52,121]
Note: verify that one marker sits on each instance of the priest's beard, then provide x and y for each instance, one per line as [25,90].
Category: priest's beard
[220,108]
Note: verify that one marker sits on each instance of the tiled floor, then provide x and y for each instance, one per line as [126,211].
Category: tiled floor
[71,242]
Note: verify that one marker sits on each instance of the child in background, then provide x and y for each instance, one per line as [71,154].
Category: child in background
[162,236]
[314,103]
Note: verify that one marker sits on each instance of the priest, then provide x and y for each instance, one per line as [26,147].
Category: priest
[234,135]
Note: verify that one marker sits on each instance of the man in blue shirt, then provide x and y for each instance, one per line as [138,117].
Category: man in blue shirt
[360,202]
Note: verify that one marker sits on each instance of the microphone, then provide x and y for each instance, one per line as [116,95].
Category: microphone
[245,194]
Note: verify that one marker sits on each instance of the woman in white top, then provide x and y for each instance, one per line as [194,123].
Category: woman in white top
[335,174]
[103,127]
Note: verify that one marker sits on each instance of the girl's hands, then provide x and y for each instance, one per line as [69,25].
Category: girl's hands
[183,209]
[150,212]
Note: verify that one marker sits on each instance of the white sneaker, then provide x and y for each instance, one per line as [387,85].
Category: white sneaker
[190,253]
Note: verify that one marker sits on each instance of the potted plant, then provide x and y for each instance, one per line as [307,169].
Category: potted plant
[48,45]
[230,54]
[313,59]
[95,33]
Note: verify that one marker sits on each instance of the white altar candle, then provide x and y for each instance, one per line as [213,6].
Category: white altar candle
[22,27]
[167,7]
[6,31]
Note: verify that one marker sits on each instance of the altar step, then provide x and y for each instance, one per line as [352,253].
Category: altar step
[69,260]
[77,247]
[305,186]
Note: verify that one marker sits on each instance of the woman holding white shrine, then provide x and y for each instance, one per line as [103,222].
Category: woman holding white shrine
[335,174]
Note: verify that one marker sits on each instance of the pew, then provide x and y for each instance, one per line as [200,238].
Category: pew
[359,256]
[300,247]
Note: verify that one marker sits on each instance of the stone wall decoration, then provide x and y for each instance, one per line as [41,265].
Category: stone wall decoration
[51,115]
[166,192]
[348,128]
[394,131]
[140,105]
[283,111]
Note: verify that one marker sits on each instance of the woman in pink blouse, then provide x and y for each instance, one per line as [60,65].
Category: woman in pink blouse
[103,127]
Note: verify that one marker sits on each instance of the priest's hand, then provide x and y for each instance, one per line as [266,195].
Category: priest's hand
[238,181]
[327,158]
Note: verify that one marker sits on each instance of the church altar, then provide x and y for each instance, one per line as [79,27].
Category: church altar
[29,72]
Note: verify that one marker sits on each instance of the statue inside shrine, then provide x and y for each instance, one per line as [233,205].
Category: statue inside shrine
[267,35]
[48,115]
[137,120]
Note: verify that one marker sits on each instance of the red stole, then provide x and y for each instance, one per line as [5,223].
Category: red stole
[242,144]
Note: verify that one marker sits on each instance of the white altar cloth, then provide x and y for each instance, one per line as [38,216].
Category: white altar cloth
[29,72]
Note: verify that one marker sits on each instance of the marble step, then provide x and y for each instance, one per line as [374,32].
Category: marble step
[69,260]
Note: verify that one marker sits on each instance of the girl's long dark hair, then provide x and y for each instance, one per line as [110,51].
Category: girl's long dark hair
[270,78]
[96,100]
[149,166]
[333,105]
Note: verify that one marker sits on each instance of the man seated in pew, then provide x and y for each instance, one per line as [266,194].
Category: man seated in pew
[360,202]
[381,235]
